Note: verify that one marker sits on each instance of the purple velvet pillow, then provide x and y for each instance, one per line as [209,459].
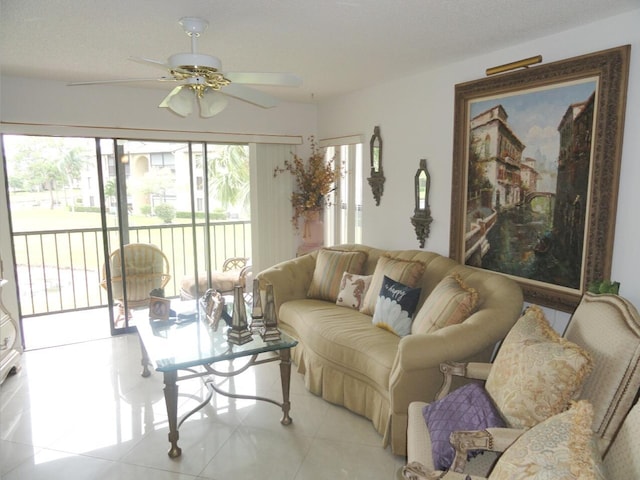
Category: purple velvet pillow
[467,408]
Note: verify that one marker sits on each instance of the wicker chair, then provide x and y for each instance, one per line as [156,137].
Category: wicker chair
[145,268]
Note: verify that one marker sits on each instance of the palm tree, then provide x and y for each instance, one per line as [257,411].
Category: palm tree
[71,165]
[229,177]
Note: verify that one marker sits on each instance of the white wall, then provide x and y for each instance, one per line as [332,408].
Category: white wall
[415,115]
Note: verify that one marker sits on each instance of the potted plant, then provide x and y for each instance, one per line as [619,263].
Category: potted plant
[604,286]
[314,179]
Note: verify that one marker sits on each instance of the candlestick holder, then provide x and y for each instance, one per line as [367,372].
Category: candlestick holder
[239,332]
[257,314]
[270,331]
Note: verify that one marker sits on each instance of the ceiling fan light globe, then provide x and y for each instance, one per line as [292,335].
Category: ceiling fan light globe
[212,103]
[179,101]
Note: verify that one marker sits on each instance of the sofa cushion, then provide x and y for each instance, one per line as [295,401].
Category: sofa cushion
[353,288]
[345,338]
[451,302]
[330,266]
[395,307]
[561,447]
[467,408]
[403,271]
[536,372]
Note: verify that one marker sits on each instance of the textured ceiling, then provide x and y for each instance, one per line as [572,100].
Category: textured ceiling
[336,46]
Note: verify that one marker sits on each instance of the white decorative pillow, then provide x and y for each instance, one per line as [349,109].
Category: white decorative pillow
[353,289]
[561,447]
[395,307]
[536,372]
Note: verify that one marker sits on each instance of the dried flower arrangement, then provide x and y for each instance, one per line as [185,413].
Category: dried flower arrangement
[314,178]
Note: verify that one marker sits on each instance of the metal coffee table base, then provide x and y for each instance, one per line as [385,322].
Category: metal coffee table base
[209,373]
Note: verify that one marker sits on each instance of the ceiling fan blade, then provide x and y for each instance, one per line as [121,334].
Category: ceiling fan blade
[250,95]
[159,64]
[122,80]
[255,78]
[148,61]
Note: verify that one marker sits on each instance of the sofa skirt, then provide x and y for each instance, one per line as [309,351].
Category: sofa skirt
[333,385]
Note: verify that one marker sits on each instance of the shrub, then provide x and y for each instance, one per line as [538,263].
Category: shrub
[166,212]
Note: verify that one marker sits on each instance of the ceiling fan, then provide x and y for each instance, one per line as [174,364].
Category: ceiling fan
[201,77]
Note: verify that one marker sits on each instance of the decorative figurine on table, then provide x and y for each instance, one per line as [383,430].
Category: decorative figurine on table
[257,316]
[212,303]
[239,332]
[270,331]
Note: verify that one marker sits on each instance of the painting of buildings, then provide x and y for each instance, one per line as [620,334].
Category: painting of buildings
[528,181]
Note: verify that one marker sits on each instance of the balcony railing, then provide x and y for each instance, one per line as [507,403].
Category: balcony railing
[61,270]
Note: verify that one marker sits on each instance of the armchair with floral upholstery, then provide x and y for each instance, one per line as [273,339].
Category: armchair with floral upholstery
[607,327]
[551,450]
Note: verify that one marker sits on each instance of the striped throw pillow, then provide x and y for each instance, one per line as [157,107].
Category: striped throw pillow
[330,266]
[451,302]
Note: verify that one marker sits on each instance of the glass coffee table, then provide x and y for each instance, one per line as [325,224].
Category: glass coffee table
[189,348]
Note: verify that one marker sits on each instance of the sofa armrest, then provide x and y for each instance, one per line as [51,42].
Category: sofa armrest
[420,350]
[491,439]
[415,374]
[290,279]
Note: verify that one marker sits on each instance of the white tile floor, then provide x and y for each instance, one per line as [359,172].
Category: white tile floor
[83,411]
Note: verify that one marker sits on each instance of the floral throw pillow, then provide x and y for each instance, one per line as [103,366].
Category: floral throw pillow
[395,307]
[561,447]
[353,289]
[536,372]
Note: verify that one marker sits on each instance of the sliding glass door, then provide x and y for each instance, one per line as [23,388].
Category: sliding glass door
[74,202]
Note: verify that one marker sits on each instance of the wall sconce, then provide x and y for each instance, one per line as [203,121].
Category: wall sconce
[421,219]
[376,180]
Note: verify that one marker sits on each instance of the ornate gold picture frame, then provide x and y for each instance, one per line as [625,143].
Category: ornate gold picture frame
[536,165]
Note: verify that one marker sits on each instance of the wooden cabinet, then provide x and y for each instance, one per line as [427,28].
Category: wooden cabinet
[10,349]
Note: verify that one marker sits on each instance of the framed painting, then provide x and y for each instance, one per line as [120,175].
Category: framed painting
[159,308]
[536,165]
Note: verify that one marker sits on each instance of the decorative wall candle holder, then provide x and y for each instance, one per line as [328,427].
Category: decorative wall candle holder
[271,331]
[376,180]
[421,219]
[239,332]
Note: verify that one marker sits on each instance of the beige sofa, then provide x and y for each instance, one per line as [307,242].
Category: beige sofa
[351,362]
